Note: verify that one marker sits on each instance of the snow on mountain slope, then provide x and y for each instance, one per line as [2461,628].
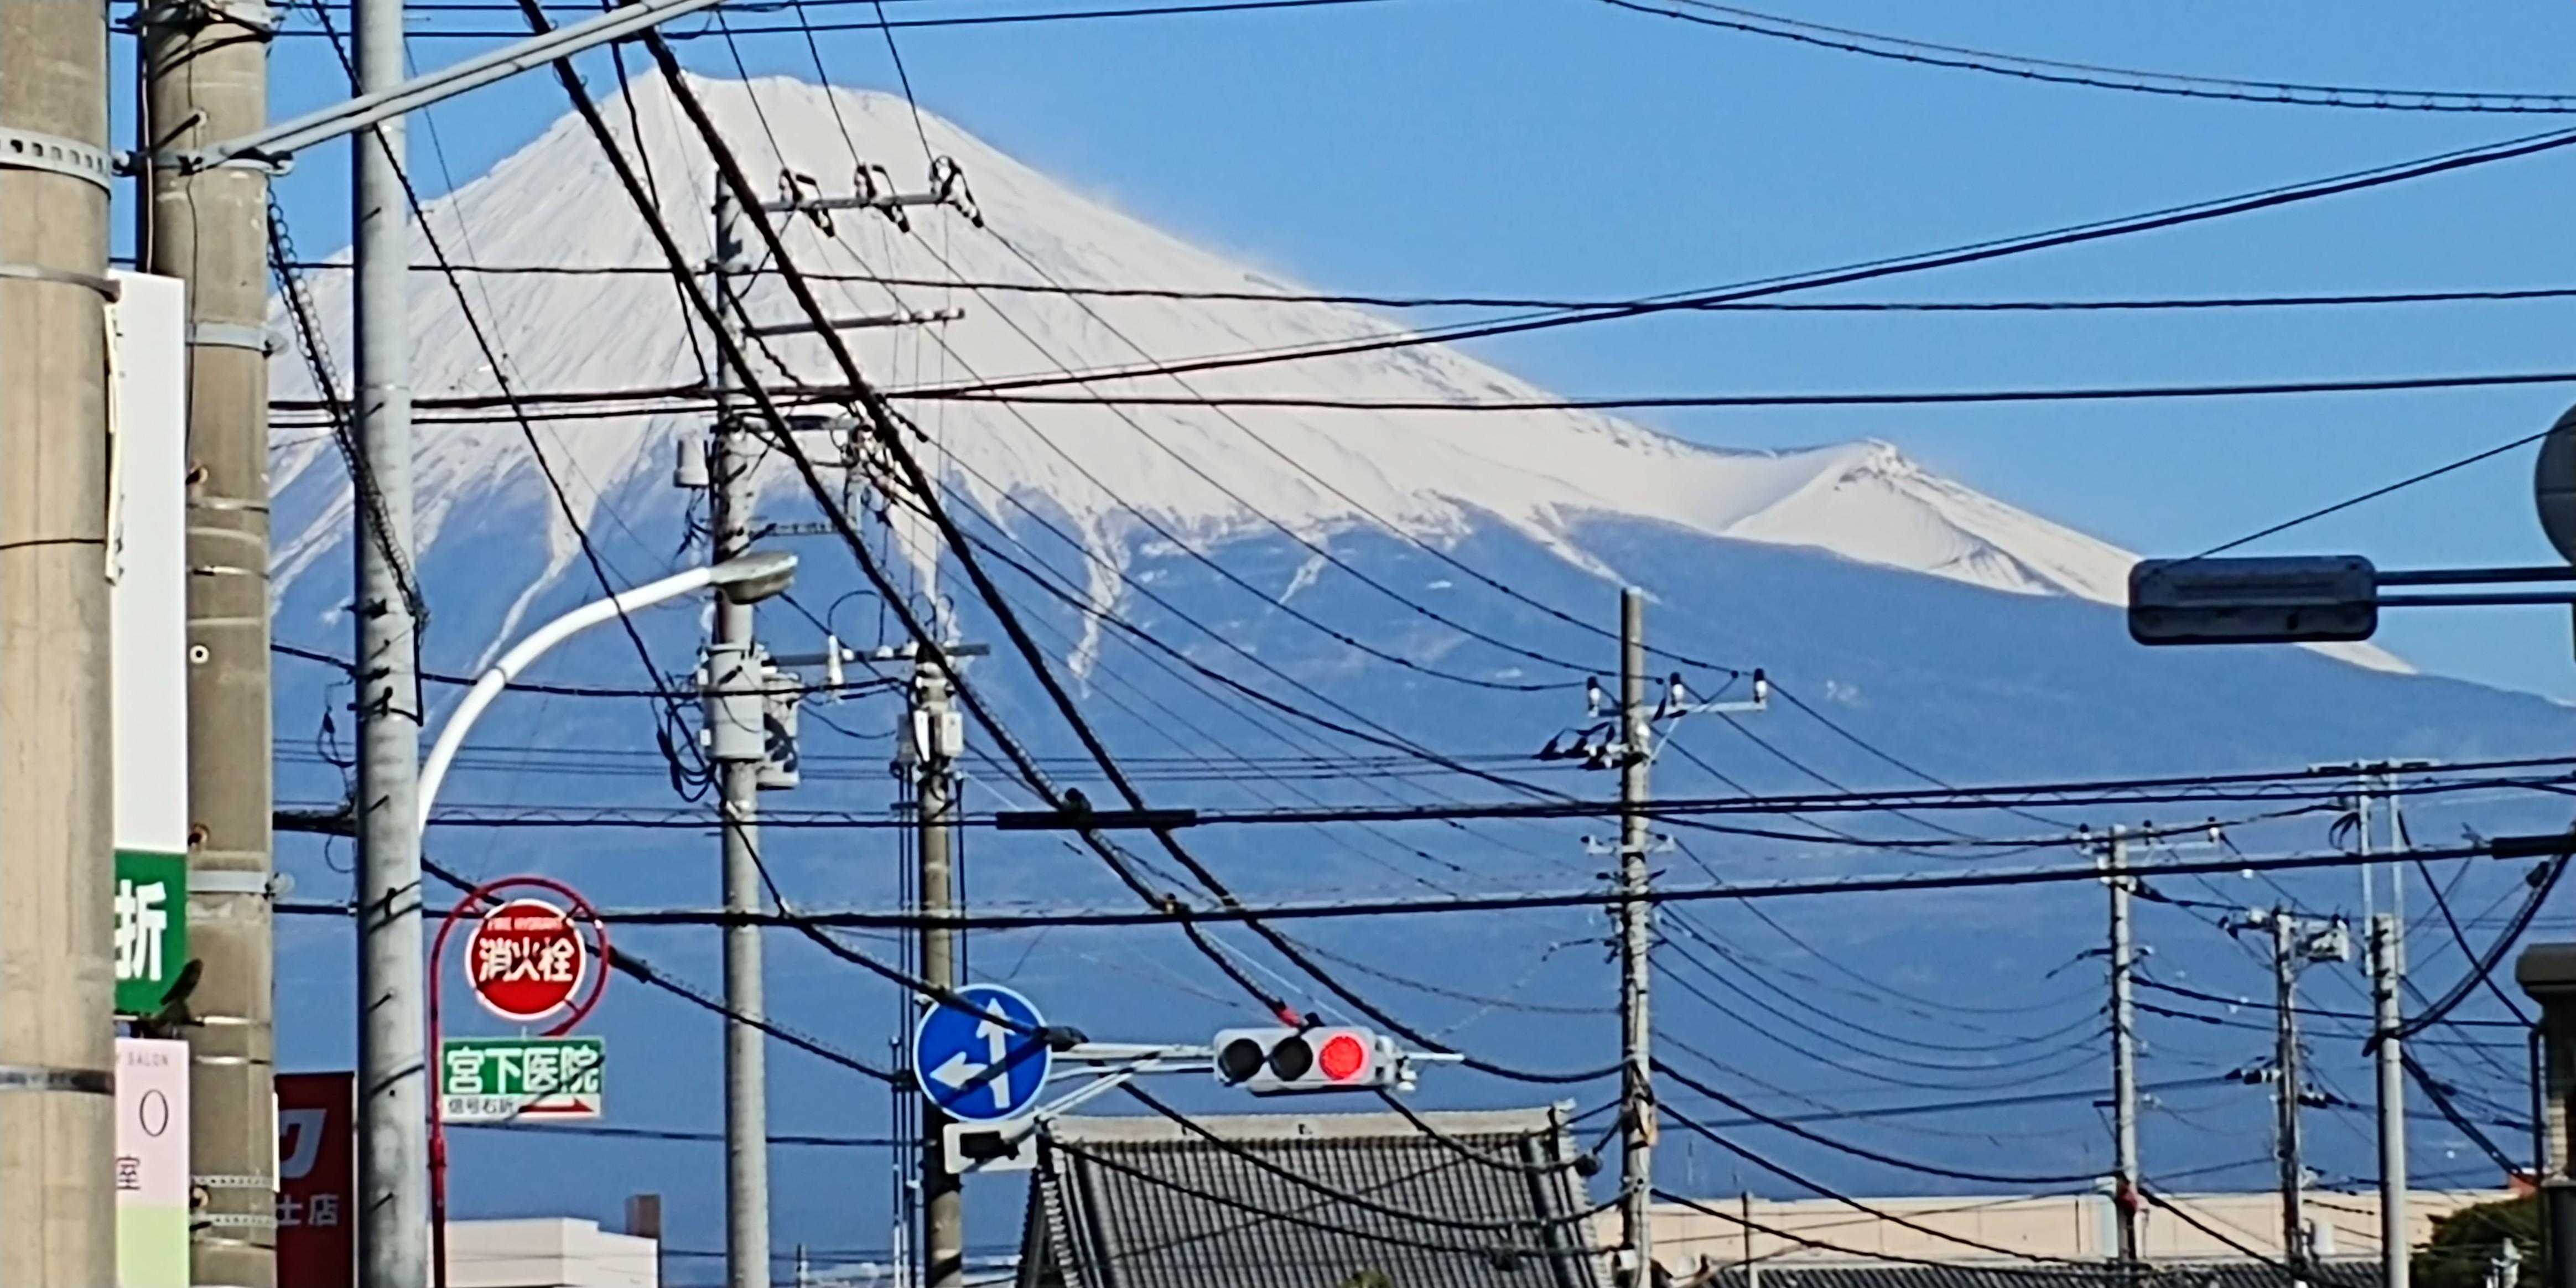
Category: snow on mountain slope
[1198,473]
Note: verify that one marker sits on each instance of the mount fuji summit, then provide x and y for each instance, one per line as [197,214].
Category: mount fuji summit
[1253,607]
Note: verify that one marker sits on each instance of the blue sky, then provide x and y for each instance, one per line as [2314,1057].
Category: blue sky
[1564,146]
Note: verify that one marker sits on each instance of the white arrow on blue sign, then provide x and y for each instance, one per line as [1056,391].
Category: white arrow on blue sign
[978,1055]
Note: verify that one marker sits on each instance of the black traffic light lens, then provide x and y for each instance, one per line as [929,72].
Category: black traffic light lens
[1290,1060]
[1240,1059]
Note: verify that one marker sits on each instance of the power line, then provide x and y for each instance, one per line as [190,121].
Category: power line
[1498,1248]
[2545,880]
[1342,1194]
[980,20]
[2095,76]
[1579,303]
[2254,1004]
[1889,1160]
[2058,1274]
[1878,1213]
[607,1132]
[2374,494]
[1317,548]
[1176,914]
[1977,252]
[1012,393]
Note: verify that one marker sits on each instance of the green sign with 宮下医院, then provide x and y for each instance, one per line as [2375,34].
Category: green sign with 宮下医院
[151,935]
[520,1079]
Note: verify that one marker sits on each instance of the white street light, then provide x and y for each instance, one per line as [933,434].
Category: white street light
[744,579]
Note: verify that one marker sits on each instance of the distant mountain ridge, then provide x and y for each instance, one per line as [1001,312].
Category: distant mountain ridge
[1198,473]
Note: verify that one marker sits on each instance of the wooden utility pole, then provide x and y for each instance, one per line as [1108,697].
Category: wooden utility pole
[57,1079]
[205,79]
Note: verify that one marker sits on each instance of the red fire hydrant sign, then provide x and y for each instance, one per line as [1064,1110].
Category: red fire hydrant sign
[525,959]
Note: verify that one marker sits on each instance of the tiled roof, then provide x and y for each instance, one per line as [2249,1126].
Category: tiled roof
[1145,1203]
[1997,1274]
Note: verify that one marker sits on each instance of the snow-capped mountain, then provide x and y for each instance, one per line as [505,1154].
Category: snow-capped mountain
[1204,474]
[1924,624]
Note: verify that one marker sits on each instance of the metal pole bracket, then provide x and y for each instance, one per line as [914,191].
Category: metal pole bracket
[54,154]
[105,286]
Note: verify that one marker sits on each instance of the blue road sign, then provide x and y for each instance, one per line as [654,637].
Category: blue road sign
[983,1064]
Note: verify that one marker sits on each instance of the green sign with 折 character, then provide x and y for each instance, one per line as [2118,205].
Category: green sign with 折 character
[147,571]
[491,1080]
[151,937]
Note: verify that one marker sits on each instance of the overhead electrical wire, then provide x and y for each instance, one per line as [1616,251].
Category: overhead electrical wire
[2057,1274]
[1970,253]
[1485,1251]
[1912,1081]
[2460,936]
[1181,914]
[1052,287]
[1342,1195]
[1856,1151]
[1761,971]
[2155,1196]
[1640,402]
[1835,963]
[626,962]
[1678,811]
[2486,962]
[1314,547]
[2093,75]
[1876,1213]
[976,20]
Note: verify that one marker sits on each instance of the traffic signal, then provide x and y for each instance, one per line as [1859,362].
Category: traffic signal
[1284,1061]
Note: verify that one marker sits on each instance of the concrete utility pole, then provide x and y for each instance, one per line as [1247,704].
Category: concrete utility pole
[2125,1198]
[2387,979]
[57,1072]
[2287,1087]
[1636,943]
[2547,973]
[936,742]
[738,742]
[205,79]
[393,1065]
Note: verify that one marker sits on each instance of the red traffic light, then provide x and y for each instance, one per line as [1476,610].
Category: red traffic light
[1343,1058]
[1281,1061]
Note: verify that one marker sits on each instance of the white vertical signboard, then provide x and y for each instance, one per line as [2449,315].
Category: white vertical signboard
[149,560]
[151,1163]
[148,611]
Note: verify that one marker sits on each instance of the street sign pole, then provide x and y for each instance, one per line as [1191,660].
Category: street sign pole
[981,1055]
[515,946]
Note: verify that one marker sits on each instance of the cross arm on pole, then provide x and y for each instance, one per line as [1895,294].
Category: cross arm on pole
[285,139]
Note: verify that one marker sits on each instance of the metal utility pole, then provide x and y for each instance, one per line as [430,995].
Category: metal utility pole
[205,79]
[2285,1066]
[738,742]
[1636,942]
[57,1079]
[2387,979]
[936,743]
[393,1063]
[2125,1198]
